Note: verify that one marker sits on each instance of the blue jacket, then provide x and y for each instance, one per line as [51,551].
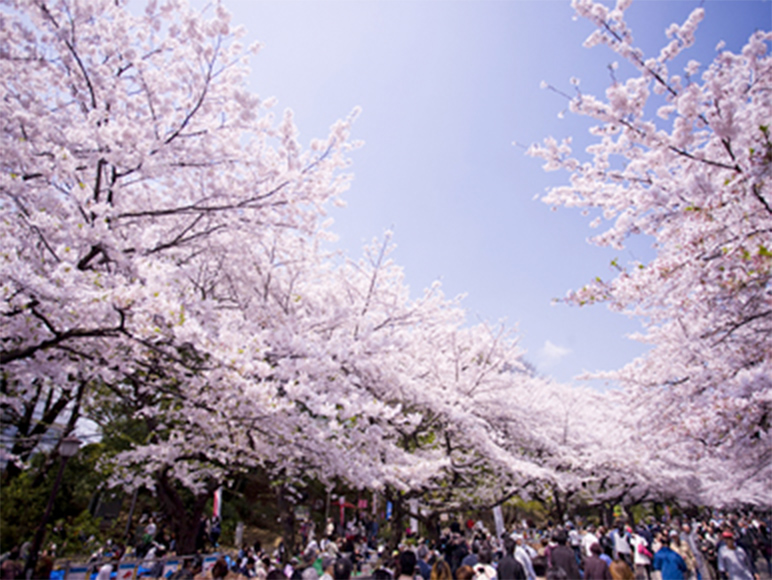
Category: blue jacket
[670,564]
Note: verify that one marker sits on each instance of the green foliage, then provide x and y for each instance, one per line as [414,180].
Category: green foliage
[24,498]
[78,535]
[517,509]
[640,512]
[21,508]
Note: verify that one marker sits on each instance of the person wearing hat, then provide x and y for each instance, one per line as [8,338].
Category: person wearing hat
[733,561]
[685,552]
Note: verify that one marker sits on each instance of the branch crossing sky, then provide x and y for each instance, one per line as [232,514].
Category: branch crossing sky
[445,88]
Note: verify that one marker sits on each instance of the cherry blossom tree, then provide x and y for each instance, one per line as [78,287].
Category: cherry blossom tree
[697,181]
[161,248]
[141,183]
[134,165]
[464,389]
[162,254]
[332,375]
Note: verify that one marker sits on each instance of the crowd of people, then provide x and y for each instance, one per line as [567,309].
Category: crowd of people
[733,549]
[711,550]
[717,549]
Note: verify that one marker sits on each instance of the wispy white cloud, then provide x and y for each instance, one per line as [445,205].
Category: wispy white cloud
[551,353]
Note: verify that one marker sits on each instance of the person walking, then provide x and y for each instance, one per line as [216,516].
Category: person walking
[441,570]
[621,543]
[561,556]
[522,556]
[683,550]
[669,563]
[596,568]
[734,562]
[509,568]
[641,556]
[407,565]
[620,570]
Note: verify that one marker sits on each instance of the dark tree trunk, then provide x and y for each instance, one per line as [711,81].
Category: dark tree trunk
[397,519]
[608,515]
[659,510]
[433,528]
[184,522]
[287,516]
[558,509]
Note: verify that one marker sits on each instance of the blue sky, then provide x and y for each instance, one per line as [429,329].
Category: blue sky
[445,88]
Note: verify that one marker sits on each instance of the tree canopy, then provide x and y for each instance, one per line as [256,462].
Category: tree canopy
[163,256]
[695,179]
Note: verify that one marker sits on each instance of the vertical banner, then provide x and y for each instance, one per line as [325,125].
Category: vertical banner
[342,502]
[498,519]
[389,509]
[413,504]
[217,504]
[239,534]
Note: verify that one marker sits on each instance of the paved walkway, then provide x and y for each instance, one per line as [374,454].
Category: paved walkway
[761,567]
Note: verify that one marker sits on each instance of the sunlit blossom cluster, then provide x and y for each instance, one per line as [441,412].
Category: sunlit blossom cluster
[701,191]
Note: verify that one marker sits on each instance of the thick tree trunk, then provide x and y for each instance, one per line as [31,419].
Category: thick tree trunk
[184,522]
[397,520]
[659,510]
[287,516]
[609,514]
[558,509]
[433,528]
